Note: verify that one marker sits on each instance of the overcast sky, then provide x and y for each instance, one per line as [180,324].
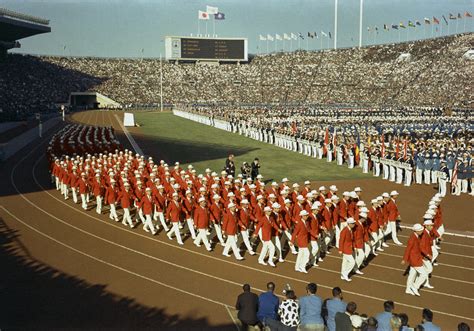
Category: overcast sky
[135,28]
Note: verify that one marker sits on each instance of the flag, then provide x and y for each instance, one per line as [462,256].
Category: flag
[405,146]
[394,26]
[324,33]
[293,36]
[329,33]
[316,34]
[427,20]
[278,37]
[202,15]
[300,35]
[286,36]
[212,10]
[397,149]
[467,14]
[459,15]
[435,20]
[262,38]
[382,145]
[368,28]
[402,25]
[417,22]
[452,17]
[219,16]
[357,149]
[410,23]
[310,35]
[270,37]
[326,141]
[334,142]
[445,20]
[385,27]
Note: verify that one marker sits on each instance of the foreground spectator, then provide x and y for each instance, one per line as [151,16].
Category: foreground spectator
[427,324]
[463,327]
[383,319]
[334,306]
[310,310]
[288,312]
[395,323]
[247,305]
[268,307]
[343,320]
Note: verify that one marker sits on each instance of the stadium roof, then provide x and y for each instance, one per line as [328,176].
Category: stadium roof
[14,26]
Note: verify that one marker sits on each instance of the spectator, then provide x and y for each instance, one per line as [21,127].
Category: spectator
[288,312]
[247,305]
[310,310]
[395,323]
[268,306]
[427,324]
[343,319]
[334,306]
[230,166]
[383,319]
[463,327]
[255,168]
[404,319]
[246,170]
[370,324]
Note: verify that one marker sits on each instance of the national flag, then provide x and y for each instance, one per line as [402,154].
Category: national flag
[385,27]
[262,38]
[402,25]
[368,28]
[334,141]
[219,16]
[300,35]
[459,15]
[395,26]
[410,23]
[397,148]
[417,22]
[427,20]
[316,34]
[294,128]
[445,20]
[286,36]
[293,36]
[405,146]
[310,35]
[329,33]
[467,14]
[202,15]
[357,149]
[326,141]
[324,33]
[435,20]
[454,179]
[382,145]
[278,37]
[452,17]
[270,37]
[212,10]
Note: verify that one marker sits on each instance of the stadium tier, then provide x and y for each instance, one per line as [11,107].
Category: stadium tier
[435,73]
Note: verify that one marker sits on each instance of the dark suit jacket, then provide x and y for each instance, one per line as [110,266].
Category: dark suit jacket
[247,305]
[343,322]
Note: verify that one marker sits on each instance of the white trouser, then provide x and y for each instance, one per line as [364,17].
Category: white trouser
[418,176]
[457,188]
[392,228]
[149,224]
[367,250]
[359,257]
[302,258]
[175,230]
[286,237]
[435,252]
[190,223]
[126,217]
[434,177]
[385,171]
[140,214]
[202,237]
[314,251]
[329,156]
[320,153]
[427,174]
[74,195]
[417,277]
[231,243]
[339,158]
[408,177]
[442,187]
[65,191]
[277,243]
[348,263]
[113,212]
[161,217]
[84,201]
[377,169]
[375,242]
[98,200]
[246,239]
[399,175]
[392,174]
[315,152]
[269,248]
[218,230]
[365,166]
[338,232]
[463,185]
[56,180]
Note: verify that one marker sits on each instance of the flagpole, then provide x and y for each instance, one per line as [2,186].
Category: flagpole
[214,27]
[360,22]
[161,84]
[199,27]
[335,24]
[206,28]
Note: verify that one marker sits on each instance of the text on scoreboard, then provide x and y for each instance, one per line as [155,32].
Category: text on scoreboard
[205,48]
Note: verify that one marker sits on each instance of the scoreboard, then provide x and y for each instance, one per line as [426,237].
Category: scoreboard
[194,48]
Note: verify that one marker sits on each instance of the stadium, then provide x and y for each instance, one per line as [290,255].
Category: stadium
[146,181]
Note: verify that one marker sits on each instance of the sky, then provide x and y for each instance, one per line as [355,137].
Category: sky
[136,28]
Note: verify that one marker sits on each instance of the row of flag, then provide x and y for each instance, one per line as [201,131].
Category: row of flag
[426,21]
[211,11]
[293,36]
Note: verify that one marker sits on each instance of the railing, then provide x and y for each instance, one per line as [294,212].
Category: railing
[24,17]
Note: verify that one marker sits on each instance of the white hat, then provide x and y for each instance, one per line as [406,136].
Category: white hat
[259,197]
[267,208]
[259,176]
[327,201]
[315,206]
[431,203]
[427,216]
[189,192]
[393,193]
[175,194]
[322,188]
[357,189]
[226,183]
[276,205]
[350,220]
[334,198]
[216,197]
[385,195]
[436,199]
[346,194]
[364,210]
[360,203]
[417,227]
[231,194]
[252,186]
[287,201]
[295,185]
[202,189]
[333,188]
[271,195]
[244,201]
[354,195]
[230,176]
[373,201]
[303,213]
[208,170]
[231,205]
[201,199]
[431,212]
[300,198]
[363,215]
[274,184]
[307,182]
[309,195]
[379,198]
[428,222]
[284,180]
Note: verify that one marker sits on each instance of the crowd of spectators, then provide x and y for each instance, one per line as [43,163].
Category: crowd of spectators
[436,74]
[311,312]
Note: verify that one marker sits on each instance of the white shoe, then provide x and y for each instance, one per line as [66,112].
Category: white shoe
[239,258]
[347,279]
[398,243]
[228,255]
[180,243]
[262,262]
[281,260]
[111,217]
[158,227]
[154,232]
[315,264]
[252,253]
[270,263]
[303,270]
[428,286]
[380,249]
[209,249]
[124,223]
[415,291]
[409,291]
[294,252]
[385,245]
[359,272]
[375,254]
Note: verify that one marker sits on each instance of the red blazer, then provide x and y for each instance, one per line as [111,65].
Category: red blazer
[147,204]
[372,219]
[245,218]
[83,186]
[160,200]
[111,195]
[392,211]
[215,213]
[426,242]
[201,217]
[413,252]
[230,225]
[126,198]
[358,236]
[268,228]
[97,187]
[314,226]
[301,234]
[173,212]
[346,243]
[326,218]
[343,209]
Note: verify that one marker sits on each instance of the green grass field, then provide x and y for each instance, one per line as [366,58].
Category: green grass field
[168,137]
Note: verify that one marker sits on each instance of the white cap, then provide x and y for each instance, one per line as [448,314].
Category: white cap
[357,189]
[231,205]
[385,195]
[373,201]
[363,215]
[307,182]
[303,213]
[428,222]
[417,227]
[322,188]
[284,180]
[267,208]
[259,197]
[231,194]
[201,199]
[276,205]
[333,188]
[216,197]
[300,198]
[350,220]
[271,195]
[244,201]
[295,185]
[327,201]
[393,193]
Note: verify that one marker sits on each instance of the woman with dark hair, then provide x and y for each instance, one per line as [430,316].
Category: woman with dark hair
[289,312]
